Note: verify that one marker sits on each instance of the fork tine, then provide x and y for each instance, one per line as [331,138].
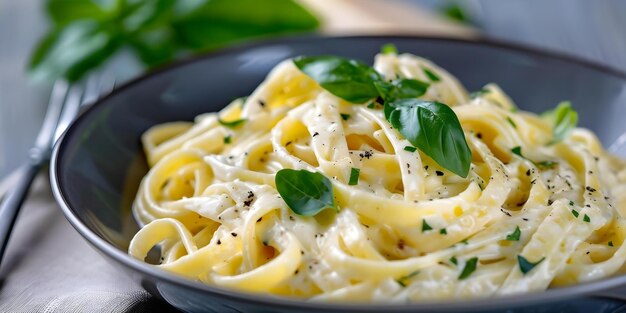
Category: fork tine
[70,110]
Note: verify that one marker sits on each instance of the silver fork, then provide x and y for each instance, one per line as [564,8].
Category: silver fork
[65,103]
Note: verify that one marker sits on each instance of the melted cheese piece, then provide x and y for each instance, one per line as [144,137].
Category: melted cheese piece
[211,206]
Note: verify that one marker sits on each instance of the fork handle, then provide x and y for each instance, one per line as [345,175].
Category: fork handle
[13,200]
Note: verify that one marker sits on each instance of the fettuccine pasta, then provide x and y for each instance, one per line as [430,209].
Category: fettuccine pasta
[409,229]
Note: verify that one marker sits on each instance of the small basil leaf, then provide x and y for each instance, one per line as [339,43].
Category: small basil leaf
[348,79]
[564,119]
[526,266]
[433,128]
[306,193]
[401,89]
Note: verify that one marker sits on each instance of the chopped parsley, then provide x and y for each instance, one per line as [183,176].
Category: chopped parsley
[231,124]
[403,280]
[571,203]
[410,149]
[345,116]
[354,176]
[514,236]
[454,261]
[526,266]
[227,139]
[425,226]
[586,218]
[479,93]
[432,76]
[470,267]
[546,164]
[511,122]
[575,213]
[389,48]
[443,231]
[518,151]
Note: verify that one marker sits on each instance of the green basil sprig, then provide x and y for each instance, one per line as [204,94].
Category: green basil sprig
[306,193]
[564,119]
[348,79]
[430,126]
[434,129]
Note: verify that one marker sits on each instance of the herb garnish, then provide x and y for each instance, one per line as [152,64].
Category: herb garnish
[231,124]
[434,129]
[388,48]
[410,149]
[432,76]
[575,213]
[227,139]
[479,93]
[514,236]
[306,193]
[345,116]
[470,267]
[564,119]
[510,120]
[443,231]
[546,164]
[425,226]
[354,176]
[518,151]
[586,218]
[454,261]
[348,79]
[402,280]
[526,266]
[402,88]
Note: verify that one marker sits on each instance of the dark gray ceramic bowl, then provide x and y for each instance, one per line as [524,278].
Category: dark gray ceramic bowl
[97,166]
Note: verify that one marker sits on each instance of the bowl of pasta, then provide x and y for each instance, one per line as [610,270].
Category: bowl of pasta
[395,173]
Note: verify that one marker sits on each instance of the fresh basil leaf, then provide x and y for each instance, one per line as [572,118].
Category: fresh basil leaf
[526,266]
[389,48]
[231,124]
[401,89]
[514,236]
[306,193]
[563,119]
[63,12]
[456,13]
[141,15]
[73,50]
[431,75]
[354,176]
[433,128]
[214,23]
[155,47]
[348,79]
[470,267]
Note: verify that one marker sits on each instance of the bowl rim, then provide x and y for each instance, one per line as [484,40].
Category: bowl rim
[490,303]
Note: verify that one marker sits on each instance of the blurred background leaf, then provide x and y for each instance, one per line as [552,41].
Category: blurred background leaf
[86,33]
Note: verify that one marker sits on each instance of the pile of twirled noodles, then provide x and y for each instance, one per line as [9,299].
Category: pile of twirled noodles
[409,229]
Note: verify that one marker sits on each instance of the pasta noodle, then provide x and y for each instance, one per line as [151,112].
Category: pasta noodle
[409,230]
